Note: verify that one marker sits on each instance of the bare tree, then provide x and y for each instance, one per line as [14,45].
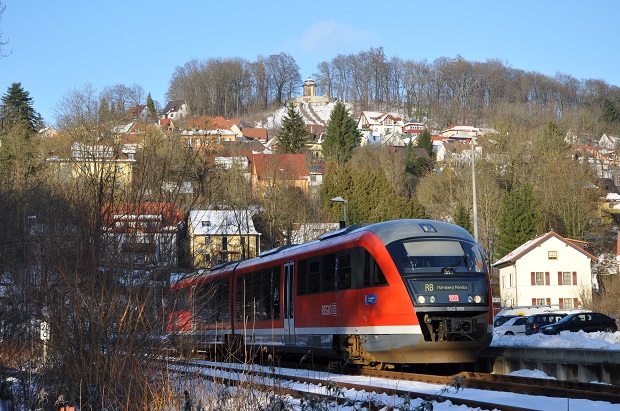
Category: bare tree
[3,42]
[284,74]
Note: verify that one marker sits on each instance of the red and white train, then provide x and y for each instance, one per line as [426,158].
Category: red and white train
[396,292]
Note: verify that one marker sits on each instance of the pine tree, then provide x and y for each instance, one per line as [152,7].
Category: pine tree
[16,108]
[341,136]
[414,165]
[425,141]
[610,112]
[462,217]
[519,219]
[151,106]
[292,138]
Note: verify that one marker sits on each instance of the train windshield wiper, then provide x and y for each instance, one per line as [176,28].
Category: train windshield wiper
[450,268]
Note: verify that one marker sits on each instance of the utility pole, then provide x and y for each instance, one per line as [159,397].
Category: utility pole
[473,182]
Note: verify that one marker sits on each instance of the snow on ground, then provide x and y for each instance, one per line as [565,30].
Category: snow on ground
[576,340]
[323,111]
[393,402]
[566,339]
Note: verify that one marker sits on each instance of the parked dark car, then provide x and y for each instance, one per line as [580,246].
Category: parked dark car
[588,322]
[534,322]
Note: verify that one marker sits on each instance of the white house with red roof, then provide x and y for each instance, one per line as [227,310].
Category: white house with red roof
[378,123]
[547,270]
[412,127]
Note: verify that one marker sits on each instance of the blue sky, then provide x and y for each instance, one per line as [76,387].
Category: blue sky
[59,46]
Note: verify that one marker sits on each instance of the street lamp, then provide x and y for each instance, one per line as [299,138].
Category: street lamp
[344,203]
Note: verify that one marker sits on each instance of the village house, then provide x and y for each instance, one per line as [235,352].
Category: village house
[279,170]
[141,235]
[608,141]
[413,128]
[219,236]
[377,123]
[547,270]
[460,131]
[94,161]
[175,109]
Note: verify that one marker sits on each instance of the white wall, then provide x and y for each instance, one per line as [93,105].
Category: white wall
[537,260]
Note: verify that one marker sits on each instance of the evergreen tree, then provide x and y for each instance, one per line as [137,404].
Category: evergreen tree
[151,106]
[610,112]
[16,108]
[371,198]
[292,138]
[425,141]
[519,219]
[342,135]
[414,165]
[462,217]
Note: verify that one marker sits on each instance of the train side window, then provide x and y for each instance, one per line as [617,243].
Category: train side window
[367,277]
[266,301]
[223,301]
[379,278]
[249,300]
[275,293]
[329,273]
[239,298]
[314,277]
[178,299]
[302,276]
[344,272]
[372,272]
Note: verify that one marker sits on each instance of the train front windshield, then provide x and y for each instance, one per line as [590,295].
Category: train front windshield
[437,256]
[442,272]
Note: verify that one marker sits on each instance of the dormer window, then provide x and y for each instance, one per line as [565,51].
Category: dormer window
[206,223]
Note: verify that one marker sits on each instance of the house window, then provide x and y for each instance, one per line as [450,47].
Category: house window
[540,278]
[567,278]
[540,301]
[566,303]
[553,255]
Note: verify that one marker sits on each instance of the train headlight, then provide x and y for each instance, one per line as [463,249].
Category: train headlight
[432,299]
[474,299]
[421,299]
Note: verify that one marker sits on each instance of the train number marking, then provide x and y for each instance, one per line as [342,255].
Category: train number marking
[455,308]
[328,309]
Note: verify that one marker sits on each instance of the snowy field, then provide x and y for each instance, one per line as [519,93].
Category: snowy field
[580,339]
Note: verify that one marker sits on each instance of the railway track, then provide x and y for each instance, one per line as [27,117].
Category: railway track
[331,386]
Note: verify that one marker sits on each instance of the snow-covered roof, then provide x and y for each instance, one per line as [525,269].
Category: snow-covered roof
[524,248]
[222,222]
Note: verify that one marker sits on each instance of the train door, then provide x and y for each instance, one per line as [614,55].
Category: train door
[289,308]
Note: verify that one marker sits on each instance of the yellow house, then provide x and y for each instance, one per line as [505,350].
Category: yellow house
[98,162]
[219,236]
